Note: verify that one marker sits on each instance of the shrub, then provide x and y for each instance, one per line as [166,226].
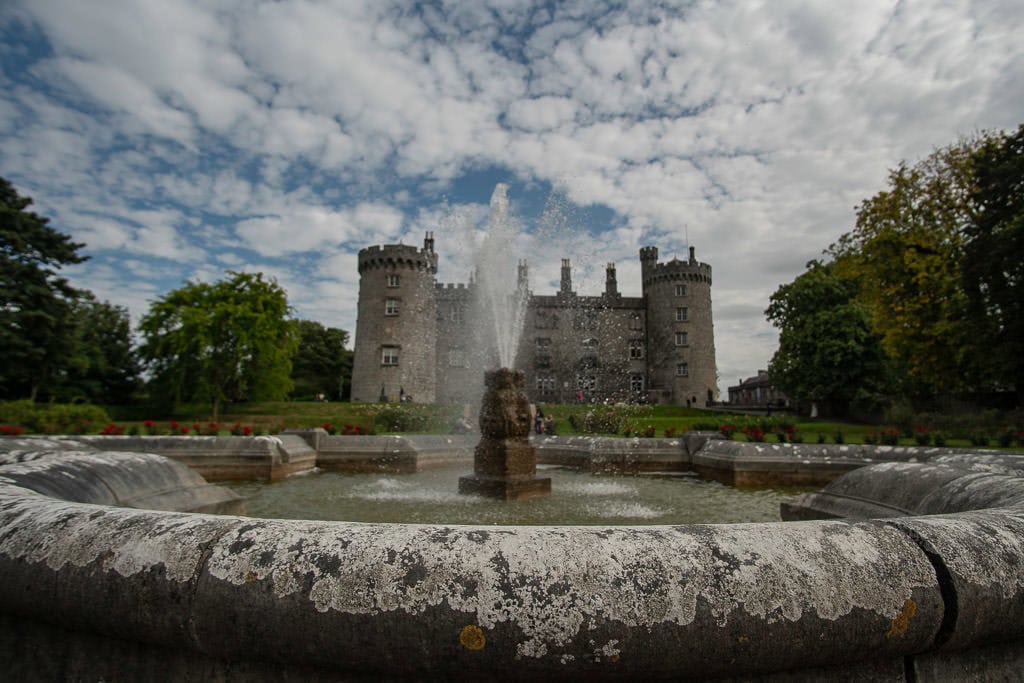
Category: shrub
[840,438]
[53,418]
[401,419]
[979,439]
[754,434]
[781,436]
[598,420]
[796,436]
[889,437]
[355,430]
[1006,438]
[822,438]
[939,438]
[670,432]
[727,430]
[922,435]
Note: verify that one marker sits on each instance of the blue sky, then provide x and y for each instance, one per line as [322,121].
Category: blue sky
[181,138]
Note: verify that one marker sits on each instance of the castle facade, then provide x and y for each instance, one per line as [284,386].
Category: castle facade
[415,337]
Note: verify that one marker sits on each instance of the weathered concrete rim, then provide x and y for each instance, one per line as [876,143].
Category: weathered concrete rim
[433,600]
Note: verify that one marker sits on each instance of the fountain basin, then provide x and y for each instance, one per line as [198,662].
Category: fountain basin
[115,593]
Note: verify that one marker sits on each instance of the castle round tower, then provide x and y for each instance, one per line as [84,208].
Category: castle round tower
[681,366]
[396,331]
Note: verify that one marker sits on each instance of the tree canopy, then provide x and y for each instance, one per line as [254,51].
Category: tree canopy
[321,364]
[227,341]
[36,334]
[933,269]
[994,256]
[906,252]
[105,366]
[827,352]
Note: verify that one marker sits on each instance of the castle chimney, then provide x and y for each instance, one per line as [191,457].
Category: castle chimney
[428,242]
[693,259]
[611,285]
[523,276]
[566,277]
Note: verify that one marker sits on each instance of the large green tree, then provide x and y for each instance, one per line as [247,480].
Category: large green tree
[104,367]
[827,352]
[36,334]
[321,364]
[993,268]
[907,252]
[231,340]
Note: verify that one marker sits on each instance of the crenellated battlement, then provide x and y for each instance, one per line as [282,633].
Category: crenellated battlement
[676,270]
[392,256]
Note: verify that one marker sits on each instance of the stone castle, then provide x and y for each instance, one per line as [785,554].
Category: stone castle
[415,337]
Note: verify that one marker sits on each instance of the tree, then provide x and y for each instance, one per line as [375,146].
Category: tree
[321,364]
[227,341]
[993,269]
[36,338]
[907,250]
[827,352]
[104,367]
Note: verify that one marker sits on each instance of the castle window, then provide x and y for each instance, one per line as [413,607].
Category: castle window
[546,385]
[636,383]
[543,357]
[457,314]
[680,290]
[391,307]
[389,355]
[636,349]
[682,369]
[586,383]
[682,339]
[636,323]
[682,314]
[457,358]
[393,279]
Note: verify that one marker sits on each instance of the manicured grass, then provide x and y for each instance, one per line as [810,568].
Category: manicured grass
[570,419]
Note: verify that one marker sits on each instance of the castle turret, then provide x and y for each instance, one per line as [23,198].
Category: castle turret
[611,285]
[680,331]
[396,328]
[566,284]
[523,277]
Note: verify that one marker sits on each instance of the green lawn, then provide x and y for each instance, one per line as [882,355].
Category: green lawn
[571,419]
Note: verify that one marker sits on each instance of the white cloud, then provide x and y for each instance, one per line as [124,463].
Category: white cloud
[209,133]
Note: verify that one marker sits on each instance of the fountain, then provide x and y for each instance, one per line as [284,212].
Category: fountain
[504,462]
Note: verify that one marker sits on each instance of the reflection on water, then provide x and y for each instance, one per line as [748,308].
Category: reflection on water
[430,497]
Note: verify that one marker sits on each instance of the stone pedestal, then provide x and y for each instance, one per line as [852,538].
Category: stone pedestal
[504,462]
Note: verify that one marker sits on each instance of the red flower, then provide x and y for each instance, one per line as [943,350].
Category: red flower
[147,423]
[246,430]
[184,430]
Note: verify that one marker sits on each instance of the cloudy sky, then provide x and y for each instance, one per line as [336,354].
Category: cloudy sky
[181,138]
